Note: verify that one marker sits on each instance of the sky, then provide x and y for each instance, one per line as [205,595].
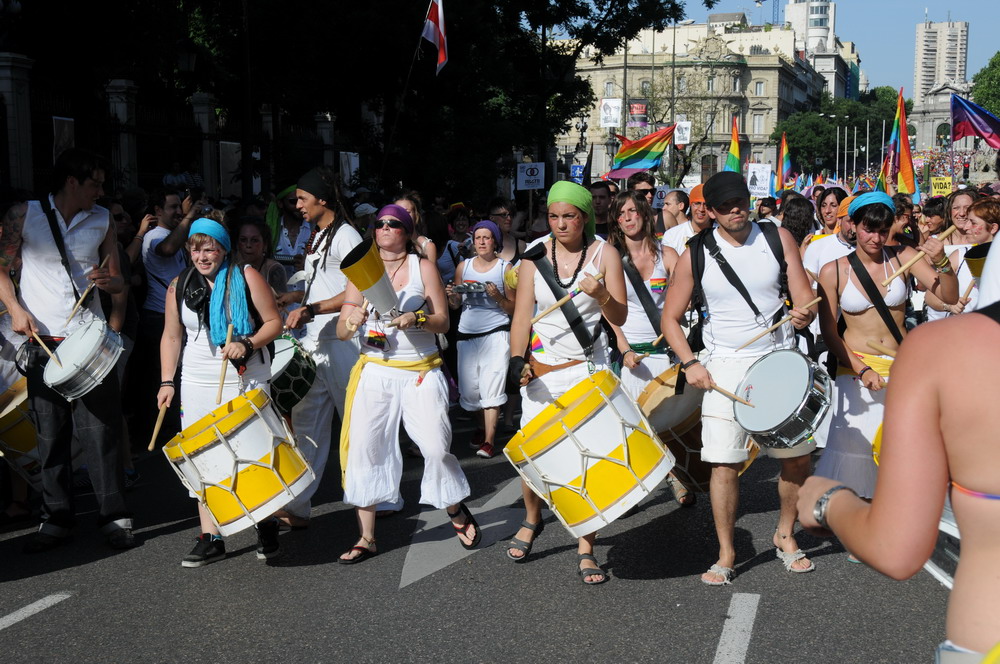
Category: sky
[884,31]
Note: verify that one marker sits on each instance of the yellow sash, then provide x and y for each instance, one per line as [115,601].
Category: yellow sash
[421,366]
[879,364]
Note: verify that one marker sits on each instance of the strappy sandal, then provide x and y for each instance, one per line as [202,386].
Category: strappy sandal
[521,545]
[788,559]
[364,552]
[590,571]
[683,496]
[470,522]
[725,572]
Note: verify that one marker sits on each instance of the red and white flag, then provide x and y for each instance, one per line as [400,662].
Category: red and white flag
[434,31]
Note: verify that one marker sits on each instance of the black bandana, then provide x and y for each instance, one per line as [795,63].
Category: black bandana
[313,183]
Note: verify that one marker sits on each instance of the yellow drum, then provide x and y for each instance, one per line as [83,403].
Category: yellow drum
[241,462]
[591,455]
[17,434]
[677,420]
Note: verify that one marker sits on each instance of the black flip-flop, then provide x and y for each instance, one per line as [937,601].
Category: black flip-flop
[470,522]
[365,554]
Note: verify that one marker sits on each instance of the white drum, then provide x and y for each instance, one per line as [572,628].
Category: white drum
[87,355]
[790,395]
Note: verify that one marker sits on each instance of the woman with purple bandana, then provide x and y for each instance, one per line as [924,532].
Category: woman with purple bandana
[487,304]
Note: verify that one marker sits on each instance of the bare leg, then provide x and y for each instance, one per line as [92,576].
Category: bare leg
[725,497]
[532,514]
[366,524]
[490,418]
[460,520]
[793,473]
[585,544]
[207,525]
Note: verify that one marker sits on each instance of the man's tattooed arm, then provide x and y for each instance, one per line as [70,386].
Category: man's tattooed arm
[10,235]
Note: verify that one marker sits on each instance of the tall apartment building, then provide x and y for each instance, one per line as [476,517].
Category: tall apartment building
[940,55]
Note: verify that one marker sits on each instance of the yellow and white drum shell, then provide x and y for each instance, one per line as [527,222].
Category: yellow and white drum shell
[241,462]
[18,443]
[591,455]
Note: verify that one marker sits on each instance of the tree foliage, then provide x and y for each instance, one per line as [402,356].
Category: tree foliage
[986,86]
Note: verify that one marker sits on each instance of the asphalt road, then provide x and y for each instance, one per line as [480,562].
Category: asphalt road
[424,598]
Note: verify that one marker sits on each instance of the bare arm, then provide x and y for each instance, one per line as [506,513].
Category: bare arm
[943,286]
[170,345]
[174,242]
[611,294]
[10,246]
[678,300]
[669,257]
[524,309]
[108,278]
[134,248]
[455,299]
[352,314]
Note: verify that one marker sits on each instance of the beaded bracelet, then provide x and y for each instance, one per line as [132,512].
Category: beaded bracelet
[167,383]
[862,372]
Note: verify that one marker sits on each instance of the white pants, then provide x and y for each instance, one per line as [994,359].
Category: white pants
[386,395]
[482,371]
[634,381]
[540,392]
[312,418]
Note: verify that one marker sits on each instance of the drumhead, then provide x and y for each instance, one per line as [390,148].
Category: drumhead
[75,350]
[284,351]
[776,384]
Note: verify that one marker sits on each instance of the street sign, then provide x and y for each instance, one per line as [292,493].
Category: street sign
[531,176]
[576,173]
[659,196]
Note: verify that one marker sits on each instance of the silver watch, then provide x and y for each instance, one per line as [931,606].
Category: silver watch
[819,509]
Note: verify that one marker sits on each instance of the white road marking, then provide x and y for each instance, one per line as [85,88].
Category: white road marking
[32,609]
[435,545]
[737,629]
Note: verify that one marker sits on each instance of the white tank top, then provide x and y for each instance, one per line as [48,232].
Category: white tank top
[730,322]
[637,328]
[390,343]
[480,313]
[552,340]
[963,282]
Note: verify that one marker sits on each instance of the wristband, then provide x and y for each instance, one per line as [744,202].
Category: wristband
[310,310]
[606,301]
[862,372]
[421,318]
[166,383]
[690,363]
[248,344]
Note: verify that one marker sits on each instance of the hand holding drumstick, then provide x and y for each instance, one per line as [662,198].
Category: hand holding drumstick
[698,376]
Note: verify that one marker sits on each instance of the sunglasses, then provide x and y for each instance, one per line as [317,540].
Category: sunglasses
[645,192]
[394,224]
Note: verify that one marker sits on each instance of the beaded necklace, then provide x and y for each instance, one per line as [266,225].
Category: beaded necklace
[576,273]
[316,239]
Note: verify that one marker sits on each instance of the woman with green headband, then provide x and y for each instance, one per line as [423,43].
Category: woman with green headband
[558,362]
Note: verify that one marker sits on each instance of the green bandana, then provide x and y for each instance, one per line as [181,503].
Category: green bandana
[579,197]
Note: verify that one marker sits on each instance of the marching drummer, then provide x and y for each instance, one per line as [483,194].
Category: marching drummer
[66,243]
[749,249]
[563,354]
[203,304]
[332,238]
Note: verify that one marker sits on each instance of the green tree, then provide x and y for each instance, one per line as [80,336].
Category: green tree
[986,86]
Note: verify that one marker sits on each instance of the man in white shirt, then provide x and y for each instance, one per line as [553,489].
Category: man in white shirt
[745,247]
[677,203]
[676,238]
[826,248]
[53,271]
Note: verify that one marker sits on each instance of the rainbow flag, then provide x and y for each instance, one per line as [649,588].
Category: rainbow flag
[733,158]
[642,154]
[784,161]
[820,179]
[536,343]
[657,285]
[898,166]
[968,119]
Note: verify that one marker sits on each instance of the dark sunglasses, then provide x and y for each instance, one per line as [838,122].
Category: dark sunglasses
[394,224]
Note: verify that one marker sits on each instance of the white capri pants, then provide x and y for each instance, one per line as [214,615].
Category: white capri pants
[482,371]
[634,381]
[385,396]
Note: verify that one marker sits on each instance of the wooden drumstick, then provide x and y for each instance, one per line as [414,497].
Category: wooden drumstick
[778,324]
[159,423]
[41,343]
[920,254]
[726,393]
[563,300]
[225,365]
[643,356]
[87,291]
[965,295]
[879,348]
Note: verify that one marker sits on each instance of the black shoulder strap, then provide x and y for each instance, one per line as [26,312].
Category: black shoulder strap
[645,299]
[57,237]
[875,296]
[770,232]
[727,270]
[694,245]
[569,310]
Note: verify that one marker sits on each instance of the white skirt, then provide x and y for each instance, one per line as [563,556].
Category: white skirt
[848,455]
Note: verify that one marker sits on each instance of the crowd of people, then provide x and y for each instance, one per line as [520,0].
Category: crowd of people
[706,286]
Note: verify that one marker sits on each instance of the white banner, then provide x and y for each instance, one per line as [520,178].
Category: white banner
[759,180]
[531,176]
[611,113]
[682,134]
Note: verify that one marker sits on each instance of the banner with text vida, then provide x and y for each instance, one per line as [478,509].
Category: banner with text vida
[759,180]
[531,176]
[940,186]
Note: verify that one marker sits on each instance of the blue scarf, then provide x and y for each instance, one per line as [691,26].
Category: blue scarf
[229,284]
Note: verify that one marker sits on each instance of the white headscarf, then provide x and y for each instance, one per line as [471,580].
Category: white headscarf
[989,283]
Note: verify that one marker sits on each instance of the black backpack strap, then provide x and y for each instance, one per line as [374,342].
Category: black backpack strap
[641,292]
[727,270]
[874,296]
[773,238]
[569,310]
[57,238]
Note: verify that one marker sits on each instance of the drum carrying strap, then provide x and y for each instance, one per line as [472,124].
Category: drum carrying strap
[57,238]
[641,292]
[569,310]
[874,296]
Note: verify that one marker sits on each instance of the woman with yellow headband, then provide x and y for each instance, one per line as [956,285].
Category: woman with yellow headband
[557,360]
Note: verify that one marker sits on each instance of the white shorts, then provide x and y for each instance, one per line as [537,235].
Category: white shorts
[723,440]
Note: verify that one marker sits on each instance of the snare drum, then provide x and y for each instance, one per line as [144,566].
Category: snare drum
[591,455]
[676,418]
[240,461]
[790,395]
[293,372]
[87,355]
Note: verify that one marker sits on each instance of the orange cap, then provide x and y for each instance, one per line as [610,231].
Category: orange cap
[844,204]
[696,196]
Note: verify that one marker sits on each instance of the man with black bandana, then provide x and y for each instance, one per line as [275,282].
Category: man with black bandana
[331,239]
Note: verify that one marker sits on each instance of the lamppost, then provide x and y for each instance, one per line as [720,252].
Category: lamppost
[673,94]
[611,147]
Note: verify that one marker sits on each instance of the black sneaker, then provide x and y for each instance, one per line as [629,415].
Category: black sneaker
[206,551]
[42,542]
[267,539]
[121,538]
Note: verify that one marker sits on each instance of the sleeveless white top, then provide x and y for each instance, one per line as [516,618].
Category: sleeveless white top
[390,343]
[949,249]
[730,322]
[480,313]
[552,340]
[637,328]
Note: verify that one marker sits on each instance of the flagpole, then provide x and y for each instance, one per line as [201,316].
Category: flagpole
[868,147]
[402,103]
[854,166]
[951,112]
[881,159]
[836,152]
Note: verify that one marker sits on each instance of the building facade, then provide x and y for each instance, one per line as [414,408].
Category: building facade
[940,55]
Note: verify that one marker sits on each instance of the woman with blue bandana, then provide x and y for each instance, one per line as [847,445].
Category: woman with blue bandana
[214,293]
[862,375]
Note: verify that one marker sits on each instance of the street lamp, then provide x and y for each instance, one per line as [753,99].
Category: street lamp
[611,146]
[581,126]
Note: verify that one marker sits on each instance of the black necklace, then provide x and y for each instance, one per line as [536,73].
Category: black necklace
[583,256]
